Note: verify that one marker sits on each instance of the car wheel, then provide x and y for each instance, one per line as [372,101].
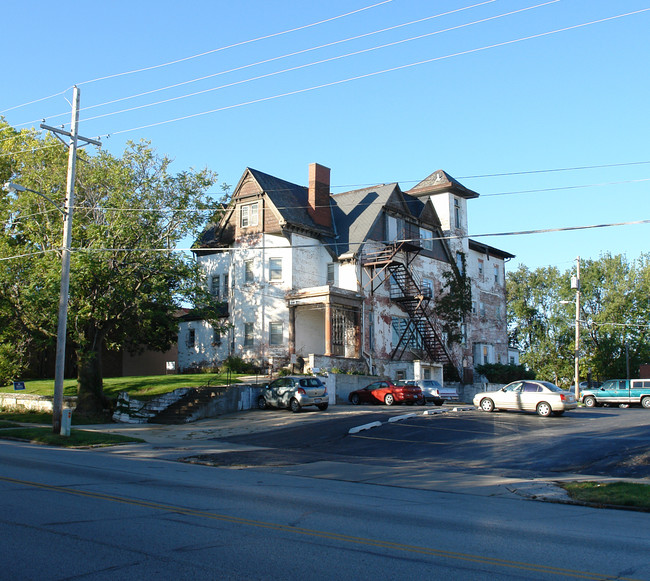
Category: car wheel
[295,406]
[487,405]
[389,399]
[261,403]
[645,402]
[422,401]
[590,401]
[322,406]
[544,409]
[439,401]
[354,399]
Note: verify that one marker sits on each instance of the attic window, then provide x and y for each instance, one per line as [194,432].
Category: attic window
[249,215]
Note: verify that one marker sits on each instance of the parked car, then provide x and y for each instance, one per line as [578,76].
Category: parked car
[618,391]
[294,392]
[387,392]
[534,396]
[432,390]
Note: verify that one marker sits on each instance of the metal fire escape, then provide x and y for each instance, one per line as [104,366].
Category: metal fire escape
[393,261]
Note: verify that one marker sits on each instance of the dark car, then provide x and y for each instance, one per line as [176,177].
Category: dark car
[387,392]
[294,392]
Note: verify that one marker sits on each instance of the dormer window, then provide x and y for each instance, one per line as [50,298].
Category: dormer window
[457,212]
[249,215]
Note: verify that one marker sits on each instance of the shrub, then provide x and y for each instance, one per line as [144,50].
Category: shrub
[502,373]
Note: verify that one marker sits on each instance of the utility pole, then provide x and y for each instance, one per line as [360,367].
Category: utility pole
[575,284]
[74,137]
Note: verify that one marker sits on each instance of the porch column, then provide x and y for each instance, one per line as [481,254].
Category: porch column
[292,330]
[328,330]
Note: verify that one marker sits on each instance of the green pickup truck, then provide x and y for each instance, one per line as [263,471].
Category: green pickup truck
[618,391]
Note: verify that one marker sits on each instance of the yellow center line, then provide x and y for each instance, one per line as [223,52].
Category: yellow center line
[323,534]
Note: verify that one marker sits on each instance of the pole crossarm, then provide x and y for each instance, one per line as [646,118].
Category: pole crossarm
[58,131]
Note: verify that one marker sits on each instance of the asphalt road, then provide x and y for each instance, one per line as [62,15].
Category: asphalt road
[101,515]
[601,441]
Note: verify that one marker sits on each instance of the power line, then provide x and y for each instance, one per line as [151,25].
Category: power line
[202,54]
[350,243]
[376,73]
[327,45]
[314,63]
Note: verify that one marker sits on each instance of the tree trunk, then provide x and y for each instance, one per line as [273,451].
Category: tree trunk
[90,390]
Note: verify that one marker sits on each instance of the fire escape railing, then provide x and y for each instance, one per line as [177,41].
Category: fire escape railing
[406,289]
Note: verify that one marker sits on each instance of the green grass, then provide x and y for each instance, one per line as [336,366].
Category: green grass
[139,387]
[77,438]
[627,494]
[4,424]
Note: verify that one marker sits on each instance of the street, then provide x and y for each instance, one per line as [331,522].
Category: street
[106,514]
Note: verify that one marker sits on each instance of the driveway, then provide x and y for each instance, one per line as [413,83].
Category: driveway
[602,441]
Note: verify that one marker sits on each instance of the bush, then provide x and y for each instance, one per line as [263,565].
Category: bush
[502,373]
[238,365]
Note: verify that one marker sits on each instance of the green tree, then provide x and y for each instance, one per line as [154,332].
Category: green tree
[614,315]
[127,281]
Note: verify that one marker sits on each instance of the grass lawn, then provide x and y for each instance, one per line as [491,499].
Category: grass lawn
[77,438]
[139,387]
[610,493]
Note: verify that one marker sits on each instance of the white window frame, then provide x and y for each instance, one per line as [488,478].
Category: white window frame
[275,273]
[249,271]
[249,334]
[276,337]
[426,238]
[330,277]
[249,215]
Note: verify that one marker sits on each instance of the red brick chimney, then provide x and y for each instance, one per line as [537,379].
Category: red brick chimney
[319,195]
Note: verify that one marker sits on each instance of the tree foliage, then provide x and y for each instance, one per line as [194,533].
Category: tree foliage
[614,318]
[455,302]
[127,281]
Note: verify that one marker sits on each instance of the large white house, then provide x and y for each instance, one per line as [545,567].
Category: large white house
[347,281]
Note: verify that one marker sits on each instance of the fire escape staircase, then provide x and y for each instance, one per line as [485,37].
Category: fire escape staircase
[406,289]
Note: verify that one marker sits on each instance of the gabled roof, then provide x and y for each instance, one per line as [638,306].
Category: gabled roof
[290,200]
[356,212]
[440,181]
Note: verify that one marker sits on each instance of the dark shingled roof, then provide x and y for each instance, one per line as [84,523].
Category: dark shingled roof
[441,181]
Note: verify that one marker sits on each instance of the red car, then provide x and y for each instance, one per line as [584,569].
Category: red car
[388,393]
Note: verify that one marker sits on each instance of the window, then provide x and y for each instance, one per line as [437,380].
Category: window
[457,212]
[331,273]
[191,337]
[275,334]
[482,308]
[426,239]
[216,337]
[225,286]
[249,215]
[459,262]
[496,273]
[275,269]
[215,284]
[480,268]
[427,287]
[249,329]
[248,271]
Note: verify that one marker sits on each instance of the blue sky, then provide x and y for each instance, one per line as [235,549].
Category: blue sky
[482,101]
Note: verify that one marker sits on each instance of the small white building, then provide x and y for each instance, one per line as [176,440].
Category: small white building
[347,281]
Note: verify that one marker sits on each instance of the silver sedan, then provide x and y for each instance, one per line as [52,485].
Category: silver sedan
[531,396]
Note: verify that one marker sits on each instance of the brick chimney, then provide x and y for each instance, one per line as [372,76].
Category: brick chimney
[319,195]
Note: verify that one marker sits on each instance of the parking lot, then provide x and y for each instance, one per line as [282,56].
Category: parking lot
[601,441]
